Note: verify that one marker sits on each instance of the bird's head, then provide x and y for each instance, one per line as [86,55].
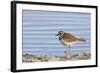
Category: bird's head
[60,33]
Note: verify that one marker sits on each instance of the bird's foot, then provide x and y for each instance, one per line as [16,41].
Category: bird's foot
[68,56]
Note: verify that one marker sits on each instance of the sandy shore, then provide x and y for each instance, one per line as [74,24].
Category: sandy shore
[45,58]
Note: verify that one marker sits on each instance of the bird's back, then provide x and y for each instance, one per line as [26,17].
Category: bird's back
[69,37]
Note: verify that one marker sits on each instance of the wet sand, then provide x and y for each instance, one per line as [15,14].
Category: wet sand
[27,58]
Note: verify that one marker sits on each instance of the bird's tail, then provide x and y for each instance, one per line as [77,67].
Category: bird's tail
[81,39]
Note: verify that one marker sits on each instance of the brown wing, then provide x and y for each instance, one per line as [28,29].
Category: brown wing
[69,37]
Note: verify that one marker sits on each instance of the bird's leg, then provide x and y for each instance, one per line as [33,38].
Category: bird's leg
[66,52]
[69,51]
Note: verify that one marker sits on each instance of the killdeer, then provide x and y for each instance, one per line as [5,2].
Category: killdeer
[68,40]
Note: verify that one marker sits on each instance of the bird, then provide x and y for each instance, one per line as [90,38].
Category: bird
[68,39]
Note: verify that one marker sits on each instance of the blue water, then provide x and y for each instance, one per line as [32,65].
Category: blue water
[40,27]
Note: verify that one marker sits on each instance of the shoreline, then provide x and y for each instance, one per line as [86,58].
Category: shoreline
[28,58]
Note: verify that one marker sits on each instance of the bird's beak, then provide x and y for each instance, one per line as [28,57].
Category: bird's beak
[57,34]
